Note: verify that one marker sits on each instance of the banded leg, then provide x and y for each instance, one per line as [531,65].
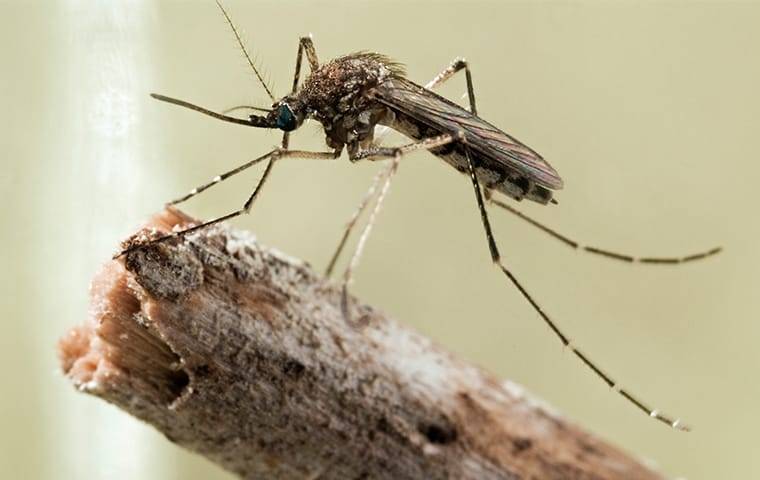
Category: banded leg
[304,45]
[273,156]
[599,251]
[219,178]
[496,258]
[455,66]
[377,152]
[396,154]
[459,64]
[354,262]
[355,217]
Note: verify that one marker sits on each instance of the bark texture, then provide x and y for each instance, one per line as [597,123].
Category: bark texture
[241,354]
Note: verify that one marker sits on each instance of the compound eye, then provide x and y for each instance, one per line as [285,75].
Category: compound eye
[286,120]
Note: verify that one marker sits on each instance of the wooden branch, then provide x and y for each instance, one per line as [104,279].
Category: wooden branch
[241,354]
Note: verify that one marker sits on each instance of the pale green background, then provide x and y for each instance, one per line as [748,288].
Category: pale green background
[650,112]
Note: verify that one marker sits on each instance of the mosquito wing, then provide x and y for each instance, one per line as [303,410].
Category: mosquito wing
[446,116]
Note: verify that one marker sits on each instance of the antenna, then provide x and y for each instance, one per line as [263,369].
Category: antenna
[245,52]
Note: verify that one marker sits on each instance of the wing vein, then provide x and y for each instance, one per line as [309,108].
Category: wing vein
[446,116]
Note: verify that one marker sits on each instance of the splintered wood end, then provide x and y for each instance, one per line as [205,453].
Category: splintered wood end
[118,347]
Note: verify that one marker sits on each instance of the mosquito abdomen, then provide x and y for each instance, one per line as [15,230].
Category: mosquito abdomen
[492,175]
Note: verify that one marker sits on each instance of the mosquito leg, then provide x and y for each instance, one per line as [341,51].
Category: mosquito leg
[457,65]
[604,252]
[387,176]
[305,45]
[219,178]
[376,152]
[355,217]
[379,152]
[496,258]
[182,233]
[272,156]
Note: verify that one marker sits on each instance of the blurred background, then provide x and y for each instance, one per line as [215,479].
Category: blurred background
[649,111]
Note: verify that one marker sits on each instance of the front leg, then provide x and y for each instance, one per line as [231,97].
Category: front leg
[304,45]
[272,156]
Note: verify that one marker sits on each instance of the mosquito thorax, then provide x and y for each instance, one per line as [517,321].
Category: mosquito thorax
[338,95]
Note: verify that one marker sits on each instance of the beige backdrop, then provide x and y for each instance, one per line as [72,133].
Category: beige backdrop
[649,112]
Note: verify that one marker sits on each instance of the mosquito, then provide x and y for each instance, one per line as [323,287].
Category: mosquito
[356,98]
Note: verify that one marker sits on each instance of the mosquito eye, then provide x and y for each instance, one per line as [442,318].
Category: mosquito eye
[285,119]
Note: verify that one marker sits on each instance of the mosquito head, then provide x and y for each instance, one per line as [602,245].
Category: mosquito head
[287,115]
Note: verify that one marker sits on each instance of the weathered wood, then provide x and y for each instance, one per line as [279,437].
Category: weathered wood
[242,354]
